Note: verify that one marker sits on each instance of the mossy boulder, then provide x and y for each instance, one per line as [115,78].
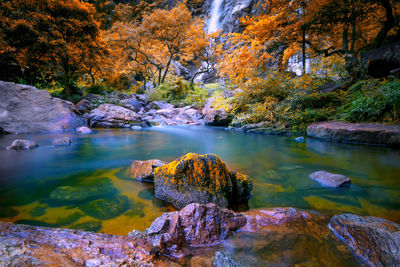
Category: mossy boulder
[106,208]
[202,179]
[76,194]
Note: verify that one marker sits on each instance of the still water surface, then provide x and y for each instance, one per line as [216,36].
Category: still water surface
[34,185]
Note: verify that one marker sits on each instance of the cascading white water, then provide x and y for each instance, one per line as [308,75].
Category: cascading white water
[213,22]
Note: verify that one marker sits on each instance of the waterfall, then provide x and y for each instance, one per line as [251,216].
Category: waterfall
[213,22]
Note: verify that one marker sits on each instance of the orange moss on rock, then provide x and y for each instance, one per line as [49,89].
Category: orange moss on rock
[203,178]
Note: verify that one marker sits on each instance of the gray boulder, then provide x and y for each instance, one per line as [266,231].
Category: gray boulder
[22,144]
[113,116]
[363,133]
[132,104]
[160,105]
[330,179]
[83,130]
[374,241]
[26,109]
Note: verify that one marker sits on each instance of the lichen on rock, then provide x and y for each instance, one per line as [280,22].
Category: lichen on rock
[203,179]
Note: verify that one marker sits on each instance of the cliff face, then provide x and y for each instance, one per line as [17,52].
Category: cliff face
[231,11]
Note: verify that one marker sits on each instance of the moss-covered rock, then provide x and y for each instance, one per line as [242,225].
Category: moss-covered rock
[106,208]
[75,194]
[203,179]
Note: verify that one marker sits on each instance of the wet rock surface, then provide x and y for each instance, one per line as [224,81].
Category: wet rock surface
[83,130]
[26,109]
[202,179]
[363,133]
[144,170]
[24,245]
[193,226]
[22,144]
[374,241]
[330,179]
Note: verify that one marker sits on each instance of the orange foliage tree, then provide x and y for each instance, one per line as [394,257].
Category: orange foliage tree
[149,46]
[309,28]
[51,36]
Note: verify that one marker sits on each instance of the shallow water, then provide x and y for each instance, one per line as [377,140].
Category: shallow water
[279,166]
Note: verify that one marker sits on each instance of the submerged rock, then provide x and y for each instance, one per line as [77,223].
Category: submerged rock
[362,133]
[330,179]
[225,259]
[22,144]
[202,179]
[75,194]
[106,208]
[193,226]
[375,241]
[144,170]
[26,109]
[63,141]
[91,226]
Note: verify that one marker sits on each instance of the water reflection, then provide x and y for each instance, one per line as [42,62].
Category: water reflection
[279,166]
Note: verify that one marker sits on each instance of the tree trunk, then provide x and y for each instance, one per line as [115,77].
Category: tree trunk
[345,39]
[304,51]
[166,69]
[387,26]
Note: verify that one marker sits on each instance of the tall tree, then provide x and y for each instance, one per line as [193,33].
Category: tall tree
[151,44]
[51,36]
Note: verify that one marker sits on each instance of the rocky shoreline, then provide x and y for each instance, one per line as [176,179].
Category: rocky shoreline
[191,236]
[26,109]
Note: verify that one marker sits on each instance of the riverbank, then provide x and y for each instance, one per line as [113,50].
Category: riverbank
[292,232]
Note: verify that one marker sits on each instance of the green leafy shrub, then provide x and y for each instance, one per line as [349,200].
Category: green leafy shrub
[373,100]
[176,90]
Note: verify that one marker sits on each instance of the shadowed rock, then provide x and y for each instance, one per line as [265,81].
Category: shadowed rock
[22,144]
[144,170]
[330,179]
[363,133]
[26,109]
[195,225]
[375,241]
[202,179]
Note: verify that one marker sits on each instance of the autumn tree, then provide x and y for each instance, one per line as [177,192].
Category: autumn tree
[52,36]
[149,46]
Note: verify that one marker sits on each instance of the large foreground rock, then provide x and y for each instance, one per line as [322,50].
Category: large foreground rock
[25,109]
[375,241]
[193,226]
[363,133]
[113,116]
[203,179]
[23,245]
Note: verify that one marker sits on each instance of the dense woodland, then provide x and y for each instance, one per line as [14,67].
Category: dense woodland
[75,47]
